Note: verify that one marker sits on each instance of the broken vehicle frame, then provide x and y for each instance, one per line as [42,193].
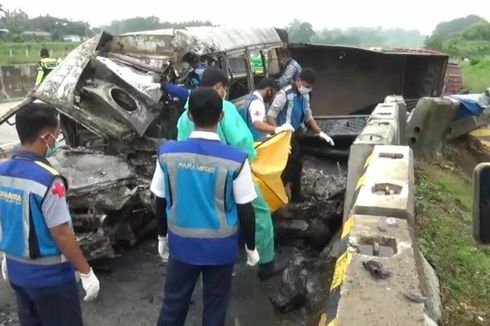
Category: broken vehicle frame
[113,117]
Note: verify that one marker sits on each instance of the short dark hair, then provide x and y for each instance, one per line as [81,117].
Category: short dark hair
[205,106]
[190,57]
[308,75]
[265,83]
[44,53]
[212,76]
[32,118]
[283,52]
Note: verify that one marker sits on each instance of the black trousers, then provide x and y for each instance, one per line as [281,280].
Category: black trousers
[292,172]
[179,285]
[49,306]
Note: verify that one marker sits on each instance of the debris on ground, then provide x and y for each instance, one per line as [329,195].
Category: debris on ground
[376,269]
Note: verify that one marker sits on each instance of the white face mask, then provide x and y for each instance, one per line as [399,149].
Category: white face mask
[185,65]
[304,90]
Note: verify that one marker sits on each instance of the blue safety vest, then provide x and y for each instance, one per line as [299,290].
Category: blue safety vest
[245,114]
[201,209]
[196,75]
[33,258]
[295,106]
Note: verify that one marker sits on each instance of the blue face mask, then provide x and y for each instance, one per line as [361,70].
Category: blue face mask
[53,150]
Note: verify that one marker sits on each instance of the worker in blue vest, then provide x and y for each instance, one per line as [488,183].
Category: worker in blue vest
[39,245]
[253,110]
[291,68]
[292,106]
[204,193]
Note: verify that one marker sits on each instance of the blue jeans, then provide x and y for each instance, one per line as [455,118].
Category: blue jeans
[49,306]
[179,285]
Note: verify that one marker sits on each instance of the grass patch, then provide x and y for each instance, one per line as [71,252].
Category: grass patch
[444,227]
[476,77]
[28,52]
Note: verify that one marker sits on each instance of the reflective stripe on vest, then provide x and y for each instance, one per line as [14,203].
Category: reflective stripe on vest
[174,164]
[293,109]
[23,186]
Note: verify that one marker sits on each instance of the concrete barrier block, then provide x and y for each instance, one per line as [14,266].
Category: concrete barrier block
[360,150]
[463,126]
[384,196]
[362,299]
[402,121]
[428,124]
[387,186]
[394,162]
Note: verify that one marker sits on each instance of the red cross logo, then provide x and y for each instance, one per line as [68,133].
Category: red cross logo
[257,113]
[58,189]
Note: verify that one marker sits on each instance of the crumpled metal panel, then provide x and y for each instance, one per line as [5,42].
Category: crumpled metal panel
[207,40]
[58,89]
[86,172]
[147,84]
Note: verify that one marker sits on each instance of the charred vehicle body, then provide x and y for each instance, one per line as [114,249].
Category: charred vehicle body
[114,113]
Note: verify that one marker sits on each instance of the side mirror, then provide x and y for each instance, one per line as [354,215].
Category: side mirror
[481,203]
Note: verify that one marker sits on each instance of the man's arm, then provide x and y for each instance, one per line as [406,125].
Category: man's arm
[68,245]
[309,121]
[246,218]
[180,92]
[157,187]
[286,76]
[256,111]
[244,193]
[313,126]
[276,108]
[161,216]
[57,217]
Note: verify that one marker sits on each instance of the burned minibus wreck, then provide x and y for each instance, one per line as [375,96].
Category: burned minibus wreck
[114,115]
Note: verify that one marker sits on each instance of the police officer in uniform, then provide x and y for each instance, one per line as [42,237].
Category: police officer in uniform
[204,192]
[45,66]
[36,236]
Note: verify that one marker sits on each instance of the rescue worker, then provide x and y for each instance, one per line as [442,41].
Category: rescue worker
[232,130]
[193,69]
[291,68]
[192,78]
[204,191]
[45,66]
[292,106]
[36,233]
[253,111]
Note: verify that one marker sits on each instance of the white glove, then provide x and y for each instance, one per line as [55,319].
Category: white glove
[90,284]
[4,268]
[252,256]
[327,138]
[284,127]
[163,248]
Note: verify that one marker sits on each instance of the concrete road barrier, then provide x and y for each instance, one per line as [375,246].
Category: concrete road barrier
[463,126]
[402,114]
[356,296]
[387,187]
[374,133]
[429,123]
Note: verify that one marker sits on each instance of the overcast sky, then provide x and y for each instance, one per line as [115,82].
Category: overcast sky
[408,14]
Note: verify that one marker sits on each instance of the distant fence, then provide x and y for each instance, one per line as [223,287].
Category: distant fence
[16,80]
[12,53]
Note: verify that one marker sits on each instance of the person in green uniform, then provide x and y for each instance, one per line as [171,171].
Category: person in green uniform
[233,131]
